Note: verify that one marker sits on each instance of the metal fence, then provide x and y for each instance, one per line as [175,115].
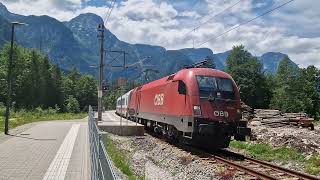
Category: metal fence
[101,168]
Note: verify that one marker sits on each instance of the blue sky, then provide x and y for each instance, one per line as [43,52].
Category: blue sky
[293,29]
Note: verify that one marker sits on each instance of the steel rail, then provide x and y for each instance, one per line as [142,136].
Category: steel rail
[265,164]
[287,171]
[240,167]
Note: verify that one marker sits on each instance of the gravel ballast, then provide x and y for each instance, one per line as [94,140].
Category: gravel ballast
[154,158]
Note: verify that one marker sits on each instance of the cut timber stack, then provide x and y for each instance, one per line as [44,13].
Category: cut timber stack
[274,118]
[247,112]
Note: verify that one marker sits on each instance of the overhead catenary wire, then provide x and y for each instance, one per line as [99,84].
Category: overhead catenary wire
[213,17]
[109,7]
[110,12]
[208,20]
[246,22]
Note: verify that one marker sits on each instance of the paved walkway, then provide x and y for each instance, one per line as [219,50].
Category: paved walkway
[45,151]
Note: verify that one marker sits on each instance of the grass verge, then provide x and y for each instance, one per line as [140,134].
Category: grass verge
[25,117]
[120,159]
[267,153]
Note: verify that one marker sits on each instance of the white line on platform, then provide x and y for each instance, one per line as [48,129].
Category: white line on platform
[59,165]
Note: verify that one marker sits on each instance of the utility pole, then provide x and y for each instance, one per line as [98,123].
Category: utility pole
[101,67]
[9,80]
[122,86]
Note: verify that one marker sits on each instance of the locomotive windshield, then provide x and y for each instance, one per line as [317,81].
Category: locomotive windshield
[215,87]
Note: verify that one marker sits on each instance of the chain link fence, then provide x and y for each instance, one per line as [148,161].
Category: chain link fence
[101,168]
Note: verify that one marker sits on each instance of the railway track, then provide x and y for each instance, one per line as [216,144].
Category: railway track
[256,168]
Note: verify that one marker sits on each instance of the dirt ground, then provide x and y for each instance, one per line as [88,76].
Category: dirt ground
[304,140]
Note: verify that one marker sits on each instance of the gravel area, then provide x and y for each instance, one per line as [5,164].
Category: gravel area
[304,140]
[156,159]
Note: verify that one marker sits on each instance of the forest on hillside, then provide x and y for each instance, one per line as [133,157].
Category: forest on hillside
[291,89]
[36,83]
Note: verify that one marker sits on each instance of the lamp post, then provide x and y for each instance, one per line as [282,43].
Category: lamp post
[9,83]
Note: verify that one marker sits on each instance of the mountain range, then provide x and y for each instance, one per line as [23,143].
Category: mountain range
[75,44]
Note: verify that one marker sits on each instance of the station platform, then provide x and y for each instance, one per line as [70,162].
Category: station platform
[48,150]
[112,123]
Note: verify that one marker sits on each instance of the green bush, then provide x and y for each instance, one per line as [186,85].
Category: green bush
[72,105]
[39,111]
[51,111]
[2,109]
[57,108]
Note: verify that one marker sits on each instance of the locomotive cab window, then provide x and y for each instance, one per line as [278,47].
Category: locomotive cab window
[215,87]
[182,89]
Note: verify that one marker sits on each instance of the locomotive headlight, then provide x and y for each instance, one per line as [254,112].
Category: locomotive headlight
[197,110]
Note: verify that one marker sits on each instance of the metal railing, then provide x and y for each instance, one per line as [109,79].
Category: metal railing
[101,168]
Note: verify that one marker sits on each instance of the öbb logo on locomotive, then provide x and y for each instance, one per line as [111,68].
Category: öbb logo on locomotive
[158,99]
[221,113]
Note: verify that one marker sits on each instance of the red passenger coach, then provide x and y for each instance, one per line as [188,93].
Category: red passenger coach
[198,105]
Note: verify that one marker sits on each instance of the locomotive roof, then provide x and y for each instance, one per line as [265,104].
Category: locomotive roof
[186,74]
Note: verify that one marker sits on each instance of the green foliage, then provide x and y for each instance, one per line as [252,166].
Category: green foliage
[2,109]
[37,83]
[291,90]
[18,118]
[268,153]
[295,89]
[111,97]
[246,70]
[72,105]
[313,165]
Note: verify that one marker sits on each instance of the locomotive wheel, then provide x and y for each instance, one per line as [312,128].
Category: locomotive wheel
[172,133]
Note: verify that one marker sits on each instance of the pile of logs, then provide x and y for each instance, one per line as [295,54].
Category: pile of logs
[274,118]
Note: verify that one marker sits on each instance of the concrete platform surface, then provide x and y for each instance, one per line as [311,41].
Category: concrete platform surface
[114,124]
[47,150]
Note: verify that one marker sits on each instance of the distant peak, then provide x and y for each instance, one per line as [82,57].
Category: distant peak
[274,53]
[88,17]
[3,8]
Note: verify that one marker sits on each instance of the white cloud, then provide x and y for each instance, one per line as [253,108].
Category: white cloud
[63,10]
[292,29]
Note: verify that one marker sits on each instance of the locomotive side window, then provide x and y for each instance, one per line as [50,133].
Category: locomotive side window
[215,87]
[182,88]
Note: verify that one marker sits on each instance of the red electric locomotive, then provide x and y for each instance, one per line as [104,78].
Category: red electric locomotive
[198,105]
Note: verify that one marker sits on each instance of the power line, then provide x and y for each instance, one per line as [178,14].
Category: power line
[109,7]
[108,16]
[210,19]
[105,17]
[246,22]
[230,7]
